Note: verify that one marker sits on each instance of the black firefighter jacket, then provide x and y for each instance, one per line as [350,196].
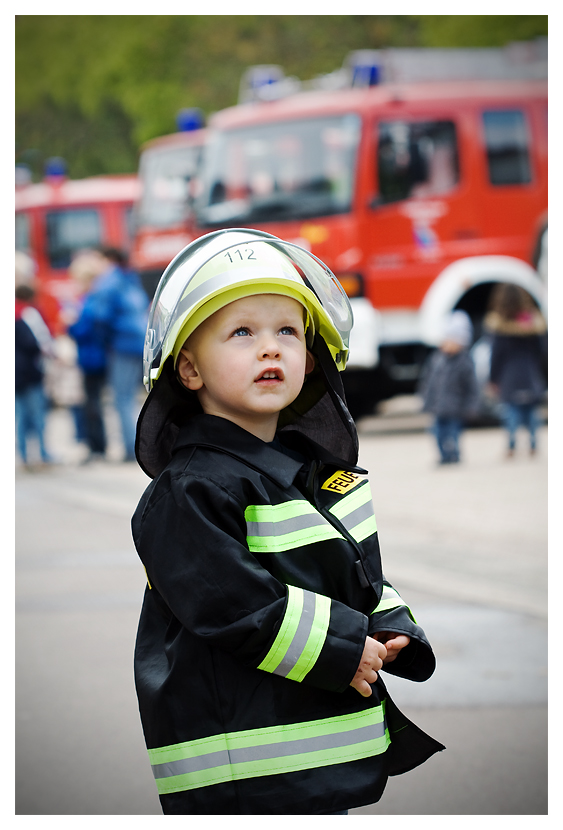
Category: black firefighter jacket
[264,579]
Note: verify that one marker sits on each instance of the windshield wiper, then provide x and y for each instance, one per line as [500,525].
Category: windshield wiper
[216,214]
[295,205]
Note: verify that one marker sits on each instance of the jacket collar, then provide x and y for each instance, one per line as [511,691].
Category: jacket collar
[224,436]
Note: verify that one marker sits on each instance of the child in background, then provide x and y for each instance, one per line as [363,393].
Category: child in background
[267,619]
[448,386]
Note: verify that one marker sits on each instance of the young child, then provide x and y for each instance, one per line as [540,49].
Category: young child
[449,387]
[266,618]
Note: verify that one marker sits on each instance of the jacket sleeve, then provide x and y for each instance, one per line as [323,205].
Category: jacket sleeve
[497,359]
[85,327]
[424,379]
[416,661]
[192,541]
[471,386]
[25,339]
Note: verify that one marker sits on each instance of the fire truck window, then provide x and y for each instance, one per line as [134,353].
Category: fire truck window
[416,159]
[69,231]
[168,176]
[22,232]
[285,170]
[506,139]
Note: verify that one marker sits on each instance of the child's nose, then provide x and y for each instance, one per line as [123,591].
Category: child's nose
[269,347]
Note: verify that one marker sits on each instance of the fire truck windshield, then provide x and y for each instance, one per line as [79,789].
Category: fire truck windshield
[69,231]
[285,170]
[167,176]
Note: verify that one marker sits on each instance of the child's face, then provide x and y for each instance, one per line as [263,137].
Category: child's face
[248,361]
[451,347]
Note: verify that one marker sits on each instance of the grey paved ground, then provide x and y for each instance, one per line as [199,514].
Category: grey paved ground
[466,546]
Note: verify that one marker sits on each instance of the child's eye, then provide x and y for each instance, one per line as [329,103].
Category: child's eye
[241,332]
[287,330]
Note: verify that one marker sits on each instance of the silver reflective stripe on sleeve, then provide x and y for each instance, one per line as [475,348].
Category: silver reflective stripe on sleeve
[390,598]
[301,635]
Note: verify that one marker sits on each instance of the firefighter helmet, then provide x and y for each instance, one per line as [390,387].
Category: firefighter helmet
[226,265]
[219,268]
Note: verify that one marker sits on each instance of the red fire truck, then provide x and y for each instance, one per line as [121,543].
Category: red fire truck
[59,216]
[168,168]
[418,175]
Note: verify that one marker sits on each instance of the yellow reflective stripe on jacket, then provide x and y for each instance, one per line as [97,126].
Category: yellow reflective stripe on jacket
[301,636]
[272,528]
[355,512]
[271,750]
[390,598]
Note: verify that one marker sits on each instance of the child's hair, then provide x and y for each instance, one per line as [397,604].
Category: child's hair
[25,293]
[509,301]
[114,255]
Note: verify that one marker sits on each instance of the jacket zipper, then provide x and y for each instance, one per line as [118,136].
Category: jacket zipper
[312,487]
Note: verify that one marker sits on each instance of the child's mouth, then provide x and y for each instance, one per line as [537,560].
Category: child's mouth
[270,376]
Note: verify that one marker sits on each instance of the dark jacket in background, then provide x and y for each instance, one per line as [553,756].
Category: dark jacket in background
[28,369]
[518,357]
[448,385]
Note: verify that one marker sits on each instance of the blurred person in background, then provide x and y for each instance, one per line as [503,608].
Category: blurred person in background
[448,386]
[32,344]
[64,384]
[25,269]
[84,328]
[122,311]
[518,373]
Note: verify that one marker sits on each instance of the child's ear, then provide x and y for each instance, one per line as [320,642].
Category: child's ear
[187,372]
[309,362]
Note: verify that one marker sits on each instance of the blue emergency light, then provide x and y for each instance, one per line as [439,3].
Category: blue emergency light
[366,75]
[263,76]
[190,119]
[261,83]
[366,67]
[55,167]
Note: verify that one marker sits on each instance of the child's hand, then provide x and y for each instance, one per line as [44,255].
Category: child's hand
[393,643]
[373,658]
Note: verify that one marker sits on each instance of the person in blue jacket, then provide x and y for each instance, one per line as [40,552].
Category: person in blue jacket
[89,334]
[267,621]
[110,334]
[122,311]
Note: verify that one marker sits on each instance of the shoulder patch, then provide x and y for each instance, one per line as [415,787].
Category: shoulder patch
[341,482]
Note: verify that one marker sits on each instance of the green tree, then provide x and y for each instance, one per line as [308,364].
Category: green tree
[479,29]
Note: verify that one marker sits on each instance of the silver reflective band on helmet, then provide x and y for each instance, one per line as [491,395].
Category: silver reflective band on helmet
[226,265]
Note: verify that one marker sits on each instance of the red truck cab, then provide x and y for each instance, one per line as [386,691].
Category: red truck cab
[58,217]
